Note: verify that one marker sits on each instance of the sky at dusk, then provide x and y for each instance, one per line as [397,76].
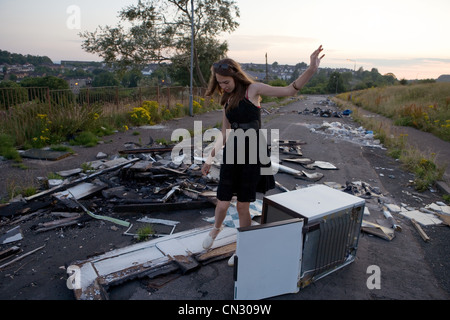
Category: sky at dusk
[406,37]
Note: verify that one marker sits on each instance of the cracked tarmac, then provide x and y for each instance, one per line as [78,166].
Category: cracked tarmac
[410,268]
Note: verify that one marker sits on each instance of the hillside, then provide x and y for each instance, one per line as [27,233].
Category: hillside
[17,58]
[444,78]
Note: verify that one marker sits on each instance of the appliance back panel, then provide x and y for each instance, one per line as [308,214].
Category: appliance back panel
[332,245]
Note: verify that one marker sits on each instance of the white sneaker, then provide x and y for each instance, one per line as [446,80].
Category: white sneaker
[208,242]
[231,260]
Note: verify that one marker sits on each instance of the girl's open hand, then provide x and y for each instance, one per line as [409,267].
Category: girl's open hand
[315,59]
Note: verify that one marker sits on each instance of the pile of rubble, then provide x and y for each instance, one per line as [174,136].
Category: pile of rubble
[152,180]
[140,178]
[325,111]
[346,132]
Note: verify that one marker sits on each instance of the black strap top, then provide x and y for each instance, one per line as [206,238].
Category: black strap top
[246,112]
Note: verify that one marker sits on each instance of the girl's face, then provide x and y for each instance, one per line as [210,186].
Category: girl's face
[226,83]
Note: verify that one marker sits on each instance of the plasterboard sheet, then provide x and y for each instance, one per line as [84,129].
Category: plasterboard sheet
[425,219]
[173,247]
[124,261]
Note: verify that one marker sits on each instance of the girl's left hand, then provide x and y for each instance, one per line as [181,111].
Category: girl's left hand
[315,60]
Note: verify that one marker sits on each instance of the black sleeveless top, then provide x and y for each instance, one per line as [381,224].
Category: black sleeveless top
[240,173]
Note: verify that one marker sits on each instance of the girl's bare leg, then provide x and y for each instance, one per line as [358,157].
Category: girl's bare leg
[219,216]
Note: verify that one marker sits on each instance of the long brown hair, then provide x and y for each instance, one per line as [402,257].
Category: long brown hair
[229,68]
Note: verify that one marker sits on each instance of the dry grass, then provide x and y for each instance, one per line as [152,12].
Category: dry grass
[413,160]
[423,106]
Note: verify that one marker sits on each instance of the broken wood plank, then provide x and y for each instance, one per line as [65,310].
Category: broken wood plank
[147,150]
[378,230]
[186,263]
[56,223]
[21,257]
[420,230]
[281,187]
[5,254]
[146,207]
[216,254]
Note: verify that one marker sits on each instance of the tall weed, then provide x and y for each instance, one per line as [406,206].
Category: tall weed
[422,106]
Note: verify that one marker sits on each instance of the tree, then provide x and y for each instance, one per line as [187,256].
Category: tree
[335,83]
[52,82]
[130,79]
[105,79]
[160,31]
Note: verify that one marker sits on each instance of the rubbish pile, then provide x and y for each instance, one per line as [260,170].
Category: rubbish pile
[393,215]
[146,180]
[139,179]
[326,112]
[346,132]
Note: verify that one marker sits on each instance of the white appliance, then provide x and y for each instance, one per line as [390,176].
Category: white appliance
[304,235]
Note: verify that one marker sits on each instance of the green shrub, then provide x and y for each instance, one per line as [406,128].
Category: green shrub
[7,148]
[86,139]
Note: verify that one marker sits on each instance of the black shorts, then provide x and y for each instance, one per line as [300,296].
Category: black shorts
[238,180]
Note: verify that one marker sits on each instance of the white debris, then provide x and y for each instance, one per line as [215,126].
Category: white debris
[346,132]
[441,208]
[425,219]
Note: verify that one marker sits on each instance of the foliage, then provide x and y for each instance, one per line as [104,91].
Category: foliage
[43,134]
[145,232]
[7,148]
[160,31]
[105,79]
[16,58]
[387,101]
[423,106]
[51,82]
[336,83]
[332,81]
[86,139]
[140,116]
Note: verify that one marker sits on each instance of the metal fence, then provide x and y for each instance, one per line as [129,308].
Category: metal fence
[132,97]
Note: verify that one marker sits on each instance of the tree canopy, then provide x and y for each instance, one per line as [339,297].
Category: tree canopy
[17,58]
[160,31]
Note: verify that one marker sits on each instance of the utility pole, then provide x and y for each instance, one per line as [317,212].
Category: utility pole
[267,70]
[191,97]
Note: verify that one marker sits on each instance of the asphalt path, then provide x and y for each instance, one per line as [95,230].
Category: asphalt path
[410,269]
[405,271]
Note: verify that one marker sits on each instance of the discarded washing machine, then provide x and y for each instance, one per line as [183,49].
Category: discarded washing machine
[304,235]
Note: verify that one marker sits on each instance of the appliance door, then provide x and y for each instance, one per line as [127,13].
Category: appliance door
[268,260]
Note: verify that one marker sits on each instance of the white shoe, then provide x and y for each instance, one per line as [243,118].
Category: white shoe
[231,260]
[208,242]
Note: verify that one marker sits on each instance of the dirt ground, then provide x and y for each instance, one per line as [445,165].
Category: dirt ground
[411,269]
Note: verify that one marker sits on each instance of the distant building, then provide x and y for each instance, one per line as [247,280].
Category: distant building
[20,71]
[76,84]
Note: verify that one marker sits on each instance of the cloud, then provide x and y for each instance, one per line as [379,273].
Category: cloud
[414,68]
[285,49]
